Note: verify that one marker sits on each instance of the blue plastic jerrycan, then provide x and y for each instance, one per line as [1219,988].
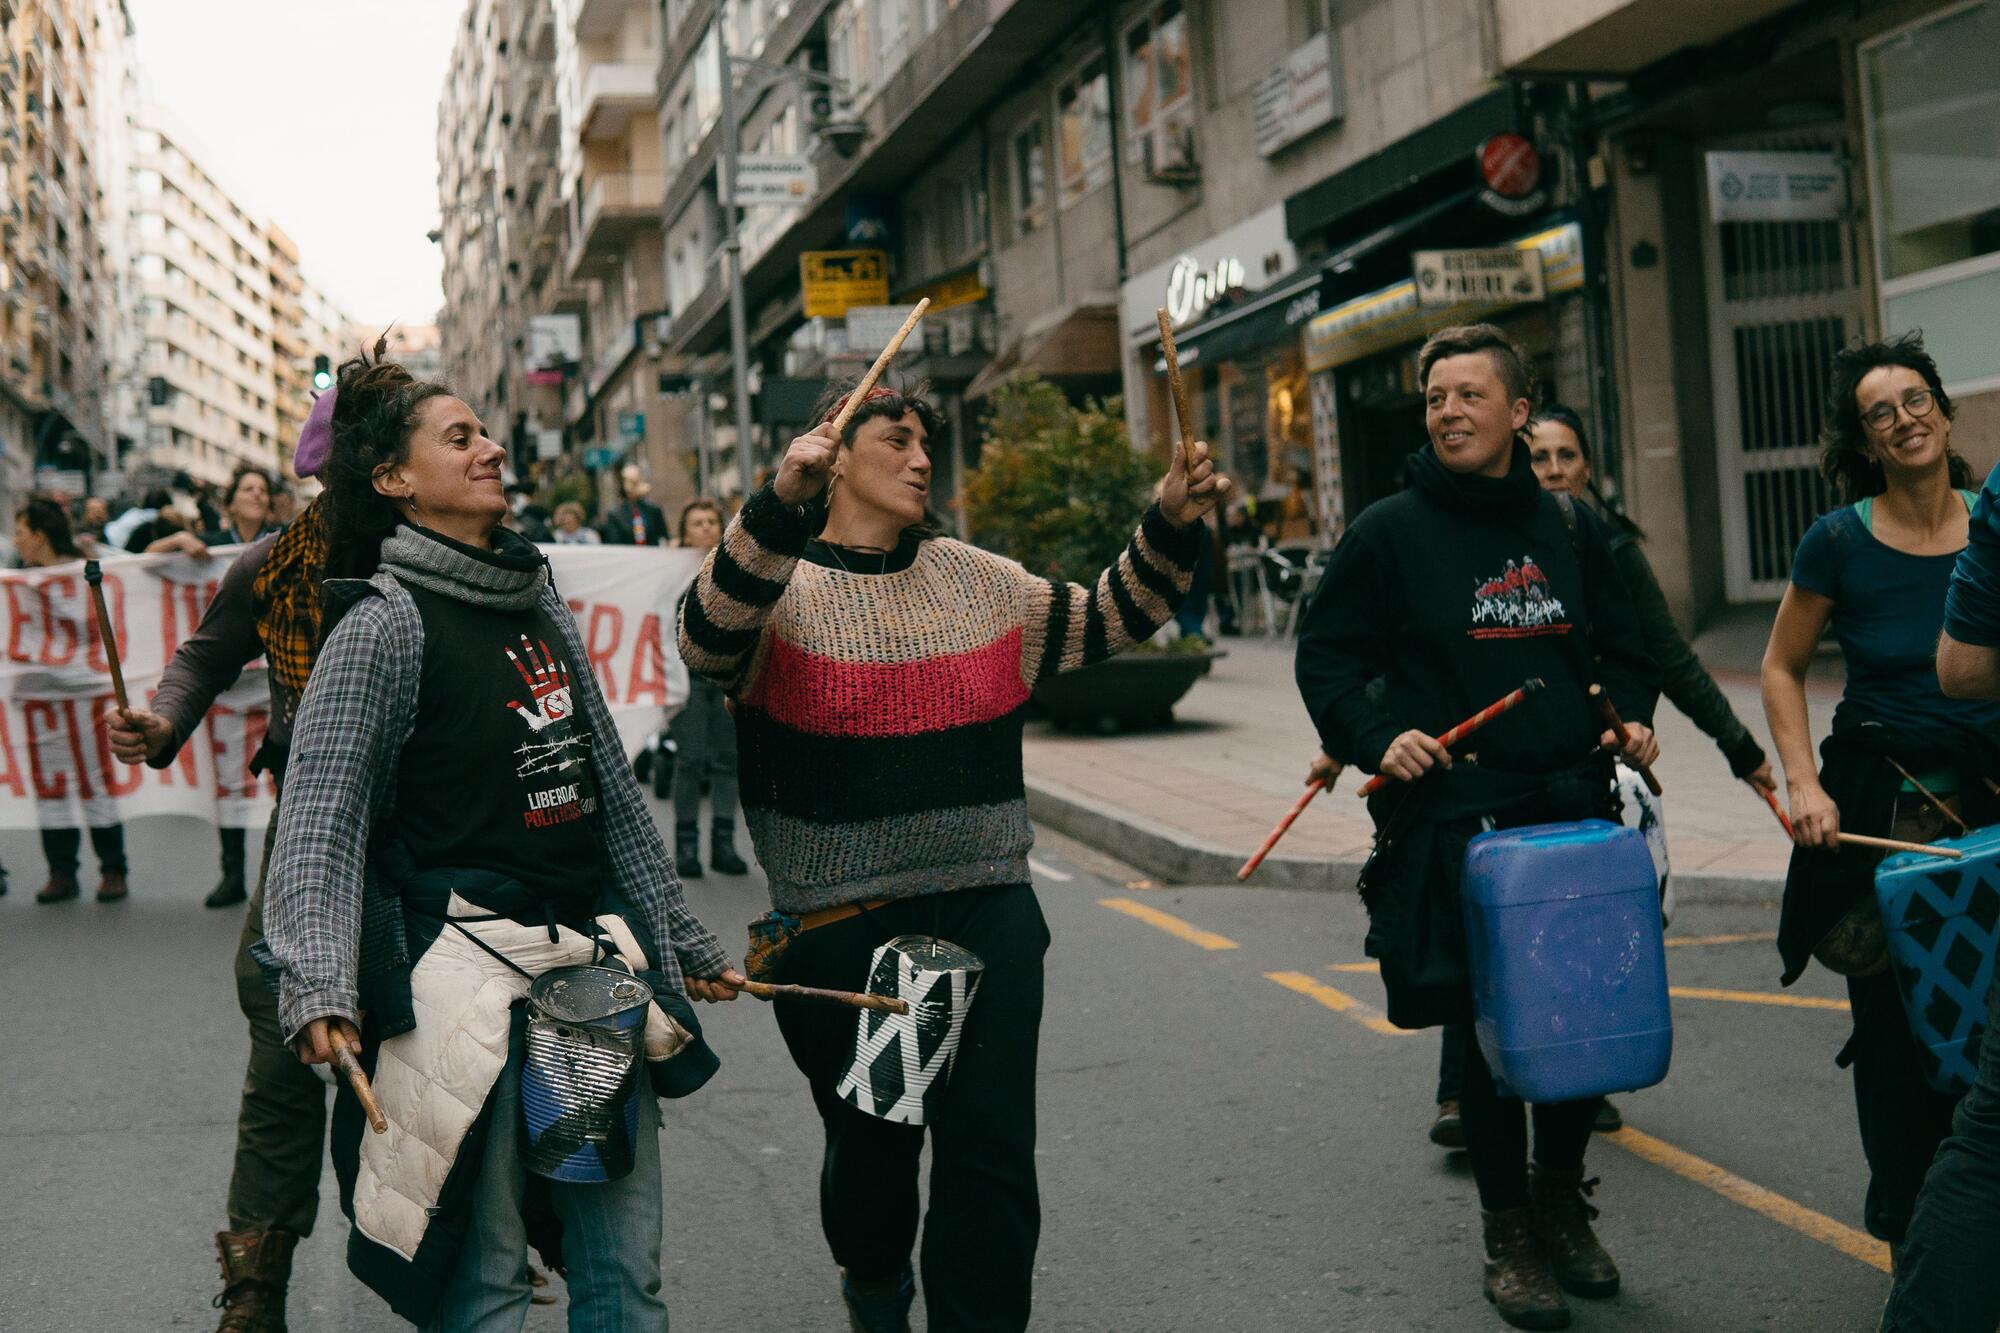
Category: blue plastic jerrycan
[1941,918]
[1569,971]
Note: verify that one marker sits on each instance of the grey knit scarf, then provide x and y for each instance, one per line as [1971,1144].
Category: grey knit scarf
[510,577]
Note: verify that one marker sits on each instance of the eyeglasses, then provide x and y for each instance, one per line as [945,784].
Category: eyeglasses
[1918,403]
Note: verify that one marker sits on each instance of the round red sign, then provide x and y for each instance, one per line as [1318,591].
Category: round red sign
[1510,165]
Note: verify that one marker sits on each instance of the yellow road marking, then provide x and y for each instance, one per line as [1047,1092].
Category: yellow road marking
[1355,967]
[1168,922]
[1755,997]
[1818,1226]
[1692,941]
[1339,1001]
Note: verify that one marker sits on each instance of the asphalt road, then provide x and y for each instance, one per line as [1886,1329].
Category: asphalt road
[1219,1150]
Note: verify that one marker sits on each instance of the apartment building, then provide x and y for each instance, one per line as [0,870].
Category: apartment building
[212,345]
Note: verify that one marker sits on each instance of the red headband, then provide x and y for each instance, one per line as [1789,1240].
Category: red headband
[840,404]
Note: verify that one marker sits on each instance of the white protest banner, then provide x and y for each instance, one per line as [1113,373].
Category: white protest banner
[56,766]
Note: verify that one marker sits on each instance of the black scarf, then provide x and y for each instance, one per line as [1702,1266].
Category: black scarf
[1468,492]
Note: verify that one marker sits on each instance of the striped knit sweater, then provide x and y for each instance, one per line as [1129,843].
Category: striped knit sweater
[878,714]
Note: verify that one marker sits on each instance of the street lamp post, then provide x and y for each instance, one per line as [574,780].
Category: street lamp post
[732,239]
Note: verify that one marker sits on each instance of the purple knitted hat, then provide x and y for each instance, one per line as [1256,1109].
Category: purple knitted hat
[316,440]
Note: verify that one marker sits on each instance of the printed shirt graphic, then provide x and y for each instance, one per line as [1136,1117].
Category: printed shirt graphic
[1516,603]
[497,774]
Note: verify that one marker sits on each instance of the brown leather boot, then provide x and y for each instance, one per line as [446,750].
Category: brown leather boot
[60,888]
[1519,1281]
[256,1269]
[1561,1214]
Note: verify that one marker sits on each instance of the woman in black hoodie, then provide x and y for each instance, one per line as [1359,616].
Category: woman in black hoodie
[1455,592]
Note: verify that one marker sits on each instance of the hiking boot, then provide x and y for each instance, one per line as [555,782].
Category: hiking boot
[113,888]
[879,1305]
[1448,1131]
[722,848]
[60,888]
[1608,1120]
[1560,1214]
[256,1269]
[687,849]
[1519,1281]
[229,891]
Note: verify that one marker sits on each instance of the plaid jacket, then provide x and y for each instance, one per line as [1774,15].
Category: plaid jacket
[329,922]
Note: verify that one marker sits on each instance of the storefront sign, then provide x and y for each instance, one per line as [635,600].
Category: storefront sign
[1251,255]
[1775,187]
[1298,95]
[961,289]
[836,279]
[1510,166]
[554,341]
[1393,316]
[870,327]
[1449,277]
[548,443]
[773,178]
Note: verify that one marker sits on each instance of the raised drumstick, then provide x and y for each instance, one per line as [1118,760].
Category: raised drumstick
[357,1079]
[1616,726]
[1183,415]
[1465,728]
[94,576]
[764,990]
[861,390]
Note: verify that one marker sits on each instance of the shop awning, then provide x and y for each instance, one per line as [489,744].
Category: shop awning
[1073,343]
[1275,314]
[1392,316]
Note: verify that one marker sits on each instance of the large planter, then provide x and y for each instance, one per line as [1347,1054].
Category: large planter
[1124,693]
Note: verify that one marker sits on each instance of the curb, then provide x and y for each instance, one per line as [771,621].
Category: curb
[1167,854]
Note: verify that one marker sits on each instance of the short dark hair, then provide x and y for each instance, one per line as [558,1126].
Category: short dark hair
[882,401]
[1509,362]
[1843,437]
[699,502]
[236,479]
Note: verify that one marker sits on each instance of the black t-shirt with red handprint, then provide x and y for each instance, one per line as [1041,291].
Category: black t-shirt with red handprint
[497,773]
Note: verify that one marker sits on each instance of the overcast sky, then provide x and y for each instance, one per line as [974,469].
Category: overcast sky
[322,114]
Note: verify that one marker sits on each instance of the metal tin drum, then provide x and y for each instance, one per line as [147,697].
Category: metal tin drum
[902,1062]
[579,1081]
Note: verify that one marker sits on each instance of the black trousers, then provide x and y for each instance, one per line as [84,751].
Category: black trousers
[62,848]
[1496,1126]
[1903,1118]
[984,1221]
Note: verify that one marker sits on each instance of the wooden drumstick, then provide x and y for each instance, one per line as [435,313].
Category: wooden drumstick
[1616,726]
[94,576]
[764,990]
[1506,703]
[1898,845]
[862,390]
[357,1079]
[1183,415]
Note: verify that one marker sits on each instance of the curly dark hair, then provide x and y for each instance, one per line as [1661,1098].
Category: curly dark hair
[882,401]
[236,479]
[1843,436]
[372,419]
[50,520]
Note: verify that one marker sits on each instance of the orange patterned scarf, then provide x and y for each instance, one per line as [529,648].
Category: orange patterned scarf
[287,598]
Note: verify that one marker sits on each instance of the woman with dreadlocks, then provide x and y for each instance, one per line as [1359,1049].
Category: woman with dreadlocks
[880,674]
[457,820]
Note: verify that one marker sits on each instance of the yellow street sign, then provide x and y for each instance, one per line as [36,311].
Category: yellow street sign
[836,279]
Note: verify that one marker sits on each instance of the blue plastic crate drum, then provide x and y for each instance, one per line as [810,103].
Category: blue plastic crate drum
[1942,919]
[1569,970]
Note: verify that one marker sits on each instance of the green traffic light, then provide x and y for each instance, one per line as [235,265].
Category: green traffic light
[322,381]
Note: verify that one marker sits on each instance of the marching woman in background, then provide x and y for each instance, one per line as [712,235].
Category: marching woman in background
[880,675]
[1877,569]
[1439,600]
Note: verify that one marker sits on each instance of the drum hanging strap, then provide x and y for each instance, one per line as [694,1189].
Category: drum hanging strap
[462,921]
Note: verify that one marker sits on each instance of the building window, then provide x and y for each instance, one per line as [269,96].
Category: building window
[1158,80]
[1932,103]
[1031,179]
[1083,131]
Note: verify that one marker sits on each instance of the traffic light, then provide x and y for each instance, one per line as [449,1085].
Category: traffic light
[322,372]
[158,392]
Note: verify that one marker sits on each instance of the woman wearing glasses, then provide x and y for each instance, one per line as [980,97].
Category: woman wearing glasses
[1903,760]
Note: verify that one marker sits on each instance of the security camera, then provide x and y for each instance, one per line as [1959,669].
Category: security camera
[843,136]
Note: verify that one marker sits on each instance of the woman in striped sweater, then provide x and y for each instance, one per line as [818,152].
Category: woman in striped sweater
[880,675]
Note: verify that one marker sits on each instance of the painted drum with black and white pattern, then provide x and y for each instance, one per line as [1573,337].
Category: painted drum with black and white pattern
[902,1062]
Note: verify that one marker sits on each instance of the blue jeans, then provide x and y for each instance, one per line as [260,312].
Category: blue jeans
[611,1236]
[1947,1279]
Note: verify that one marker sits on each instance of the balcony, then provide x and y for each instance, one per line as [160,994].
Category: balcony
[1609,37]
[613,93]
[600,18]
[617,206]
[537,35]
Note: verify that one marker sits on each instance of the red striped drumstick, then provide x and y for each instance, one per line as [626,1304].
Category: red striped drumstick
[1313,788]
[1771,799]
[1465,728]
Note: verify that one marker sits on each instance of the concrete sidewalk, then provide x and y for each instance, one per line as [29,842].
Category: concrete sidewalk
[1190,803]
